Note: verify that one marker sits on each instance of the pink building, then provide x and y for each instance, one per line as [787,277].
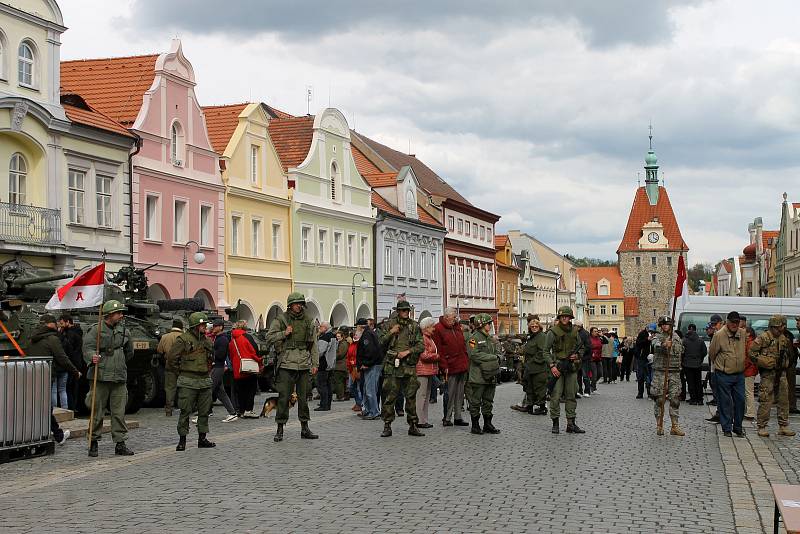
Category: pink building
[178,195]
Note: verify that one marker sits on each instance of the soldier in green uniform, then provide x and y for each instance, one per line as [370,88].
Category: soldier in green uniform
[192,355]
[482,378]
[563,347]
[110,362]
[402,341]
[536,368]
[295,340]
[667,354]
[770,352]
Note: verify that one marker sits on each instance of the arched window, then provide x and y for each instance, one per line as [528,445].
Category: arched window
[17,174]
[411,204]
[25,64]
[176,143]
[334,181]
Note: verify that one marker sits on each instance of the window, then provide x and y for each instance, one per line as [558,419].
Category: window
[460,278]
[481,281]
[653,261]
[602,309]
[502,293]
[255,236]
[176,144]
[461,226]
[423,266]
[152,225]
[401,262]
[205,226]
[468,279]
[453,289]
[613,309]
[364,251]
[653,278]
[334,181]
[483,232]
[322,246]
[669,261]
[338,248]
[489,234]
[638,261]
[104,214]
[25,64]
[434,267]
[387,260]
[253,164]
[352,259]
[450,223]
[236,234]
[411,204]
[466,229]
[412,263]
[603,290]
[77,189]
[179,222]
[17,176]
[591,309]
[490,292]
[655,312]
[276,241]
[305,243]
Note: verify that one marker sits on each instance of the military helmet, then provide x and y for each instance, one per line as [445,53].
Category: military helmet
[664,319]
[565,311]
[295,298]
[403,305]
[776,321]
[111,306]
[482,319]
[197,318]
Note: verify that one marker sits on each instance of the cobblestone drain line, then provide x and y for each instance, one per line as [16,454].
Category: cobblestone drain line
[26,485]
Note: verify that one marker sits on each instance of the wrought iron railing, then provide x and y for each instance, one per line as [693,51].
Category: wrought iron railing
[20,223]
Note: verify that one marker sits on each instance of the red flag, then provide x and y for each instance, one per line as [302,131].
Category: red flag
[681,276]
[83,291]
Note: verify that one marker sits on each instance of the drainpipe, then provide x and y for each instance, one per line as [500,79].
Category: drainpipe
[223,166]
[138,146]
[375,271]
[290,192]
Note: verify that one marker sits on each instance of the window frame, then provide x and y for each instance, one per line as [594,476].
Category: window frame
[323,246]
[209,208]
[307,248]
[352,250]
[614,309]
[175,202]
[256,237]
[388,260]
[19,178]
[177,141]
[30,62]
[236,233]
[364,251]
[155,235]
[401,262]
[254,167]
[451,223]
[104,197]
[337,256]
[73,191]
[276,239]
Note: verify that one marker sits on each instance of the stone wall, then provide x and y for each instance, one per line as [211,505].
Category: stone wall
[637,282]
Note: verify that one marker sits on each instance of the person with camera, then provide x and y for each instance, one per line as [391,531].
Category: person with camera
[563,348]
[770,352]
[484,366]
[667,354]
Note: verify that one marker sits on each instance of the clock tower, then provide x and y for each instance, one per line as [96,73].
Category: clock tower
[649,251]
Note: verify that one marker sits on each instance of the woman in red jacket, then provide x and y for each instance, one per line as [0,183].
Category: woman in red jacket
[453,363]
[427,368]
[243,347]
[597,340]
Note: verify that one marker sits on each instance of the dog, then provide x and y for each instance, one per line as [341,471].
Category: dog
[270,403]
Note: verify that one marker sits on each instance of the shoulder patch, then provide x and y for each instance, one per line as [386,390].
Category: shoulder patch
[472,343]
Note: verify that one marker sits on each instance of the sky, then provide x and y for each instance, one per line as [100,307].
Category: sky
[537,110]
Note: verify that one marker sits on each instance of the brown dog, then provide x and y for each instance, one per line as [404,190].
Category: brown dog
[270,403]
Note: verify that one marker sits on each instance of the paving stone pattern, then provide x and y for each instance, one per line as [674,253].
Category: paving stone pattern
[619,477]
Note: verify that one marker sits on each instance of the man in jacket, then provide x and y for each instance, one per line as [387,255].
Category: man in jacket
[694,352]
[563,348]
[170,371]
[295,340]
[369,361]
[72,341]
[326,346]
[726,354]
[482,379]
[402,342]
[584,374]
[220,342]
[667,352]
[770,352]
[110,361]
[453,363]
[643,370]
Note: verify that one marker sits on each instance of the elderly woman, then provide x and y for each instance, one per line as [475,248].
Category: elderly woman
[427,368]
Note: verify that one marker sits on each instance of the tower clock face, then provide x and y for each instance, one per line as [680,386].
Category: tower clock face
[652,237]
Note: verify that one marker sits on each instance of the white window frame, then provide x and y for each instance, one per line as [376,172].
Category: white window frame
[483,232]
[209,242]
[467,229]
[323,245]
[105,199]
[175,202]
[352,250]
[338,248]
[30,62]
[452,274]
[614,309]
[451,223]
[155,234]
[256,237]
[177,142]
[236,234]
[276,239]
[76,193]
[411,204]
[364,251]
[468,280]
[475,230]
[254,159]
[306,245]
[17,179]
[387,260]
[412,263]
[3,55]
[591,309]
[489,232]
[460,225]
[434,267]
[423,265]
[603,309]
[460,279]
[401,262]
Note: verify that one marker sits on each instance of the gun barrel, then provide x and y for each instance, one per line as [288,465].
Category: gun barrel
[39,280]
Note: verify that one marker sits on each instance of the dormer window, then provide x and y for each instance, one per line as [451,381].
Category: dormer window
[177,144]
[25,64]
[411,204]
[602,289]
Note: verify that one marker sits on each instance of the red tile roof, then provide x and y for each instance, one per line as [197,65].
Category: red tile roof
[364,165]
[796,204]
[427,218]
[381,179]
[278,113]
[728,266]
[766,235]
[384,205]
[94,119]
[500,240]
[292,139]
[114,86]
[592,275]
[221,122]
[642,212]
[631,306]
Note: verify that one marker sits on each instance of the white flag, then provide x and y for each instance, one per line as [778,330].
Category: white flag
[83,291]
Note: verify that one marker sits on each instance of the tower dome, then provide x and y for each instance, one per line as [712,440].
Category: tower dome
[650,159]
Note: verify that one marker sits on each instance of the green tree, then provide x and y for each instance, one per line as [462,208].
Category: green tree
[589,262]
[699,271]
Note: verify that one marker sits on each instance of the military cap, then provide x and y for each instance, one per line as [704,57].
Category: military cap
[112,306]
[295,298]
[361,322]
[565,311]
[197,318]
[403,305]
[177,323]
[776,321]
[483,319]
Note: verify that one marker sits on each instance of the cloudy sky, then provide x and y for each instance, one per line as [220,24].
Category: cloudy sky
[533,110]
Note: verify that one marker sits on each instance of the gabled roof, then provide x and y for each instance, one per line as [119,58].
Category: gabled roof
[381,179]
[384,205]
[114,86]
[276,113]
[642,212]
[728,266]
[500,240]
[78,111]
[291,138]
[221,122]
[592,275]
[363,164]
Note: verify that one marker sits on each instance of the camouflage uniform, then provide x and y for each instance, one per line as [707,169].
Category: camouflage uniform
[561,343]
[403,376]
[192,356]
[771,354]
[483,368]
[664,359]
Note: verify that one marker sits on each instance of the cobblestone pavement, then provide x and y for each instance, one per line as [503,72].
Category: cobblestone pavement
[618,477]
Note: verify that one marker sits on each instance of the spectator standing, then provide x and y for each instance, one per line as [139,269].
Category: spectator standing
[694,352]
[427,369]
[714,325]
[355,382]
[627,352]
[369,361]
[454,363]
[597,341]
[326,345]
[608,358]
[242,346]
[170,370]
[727,354]
[750,372]
[72,341]
[643,350]
[220,341]
[585,372]
[339,379]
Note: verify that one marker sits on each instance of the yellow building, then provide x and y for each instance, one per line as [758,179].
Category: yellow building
[257,233]
[507,287]
[605,298]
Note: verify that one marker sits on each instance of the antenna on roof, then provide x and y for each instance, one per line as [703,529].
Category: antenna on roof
[309,97]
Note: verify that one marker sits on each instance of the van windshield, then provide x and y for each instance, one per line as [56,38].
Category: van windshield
[759,323]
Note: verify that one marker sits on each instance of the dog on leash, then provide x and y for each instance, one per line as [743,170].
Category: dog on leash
[272,402]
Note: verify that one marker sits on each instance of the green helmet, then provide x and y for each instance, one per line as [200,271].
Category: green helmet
[664,320]
[295,298]
[565,311]
[111,306]
[403,305]
[197,318]
[482,319]
[776,321]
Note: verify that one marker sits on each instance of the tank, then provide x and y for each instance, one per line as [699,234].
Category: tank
[511,358]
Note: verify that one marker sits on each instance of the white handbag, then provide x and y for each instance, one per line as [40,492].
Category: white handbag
[246,365]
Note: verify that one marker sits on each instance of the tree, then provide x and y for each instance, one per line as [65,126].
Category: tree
[589,262]
[699,271]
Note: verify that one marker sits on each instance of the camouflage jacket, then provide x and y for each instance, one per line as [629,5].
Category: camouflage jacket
[769,352]
[535,357]
[192,357]
[483,363]
[662,358]
[561,344]
[115,350]
[408,338]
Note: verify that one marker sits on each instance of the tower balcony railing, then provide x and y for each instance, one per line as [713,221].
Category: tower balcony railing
[30,225]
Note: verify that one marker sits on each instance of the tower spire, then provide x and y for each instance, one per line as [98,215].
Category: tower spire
[651,171]
[651,134]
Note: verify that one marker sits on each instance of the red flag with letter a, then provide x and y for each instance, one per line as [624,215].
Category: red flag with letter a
[681,285]
[83,291]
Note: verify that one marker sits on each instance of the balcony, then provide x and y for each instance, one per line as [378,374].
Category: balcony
[30,225]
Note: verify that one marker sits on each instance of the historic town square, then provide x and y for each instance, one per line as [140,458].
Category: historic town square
[399,267]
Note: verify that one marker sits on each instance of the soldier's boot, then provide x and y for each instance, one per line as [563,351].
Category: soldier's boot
[181,444]
[488,427]
[540,410]
[476,426]
[786,431]
[529,409]
[93,449]
[168,411]
[555,429]
[572,428]
[676,429]
[305,432]
[649,395]
[763,432]
[414,431]
[387,430]
[122,450]
[278,433]
[203,443]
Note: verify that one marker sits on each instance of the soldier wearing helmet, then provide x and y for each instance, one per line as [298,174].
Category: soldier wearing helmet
[110,361]
[770,352]
[193,356]
[294,337]
[667,354]
[482,378]
[563,347]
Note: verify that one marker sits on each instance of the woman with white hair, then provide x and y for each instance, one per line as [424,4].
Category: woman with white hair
[427,368]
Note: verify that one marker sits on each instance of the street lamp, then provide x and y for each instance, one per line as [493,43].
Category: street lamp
[458,305]
[199,258]
[364,285]
[558,279]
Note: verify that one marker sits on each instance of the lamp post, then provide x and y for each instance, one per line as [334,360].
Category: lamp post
[199,258]
[458,305]
[364,285]
[558,279]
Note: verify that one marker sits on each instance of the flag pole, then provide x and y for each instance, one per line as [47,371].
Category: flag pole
[97,349]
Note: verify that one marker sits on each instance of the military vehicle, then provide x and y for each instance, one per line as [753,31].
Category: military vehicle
[511,357]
